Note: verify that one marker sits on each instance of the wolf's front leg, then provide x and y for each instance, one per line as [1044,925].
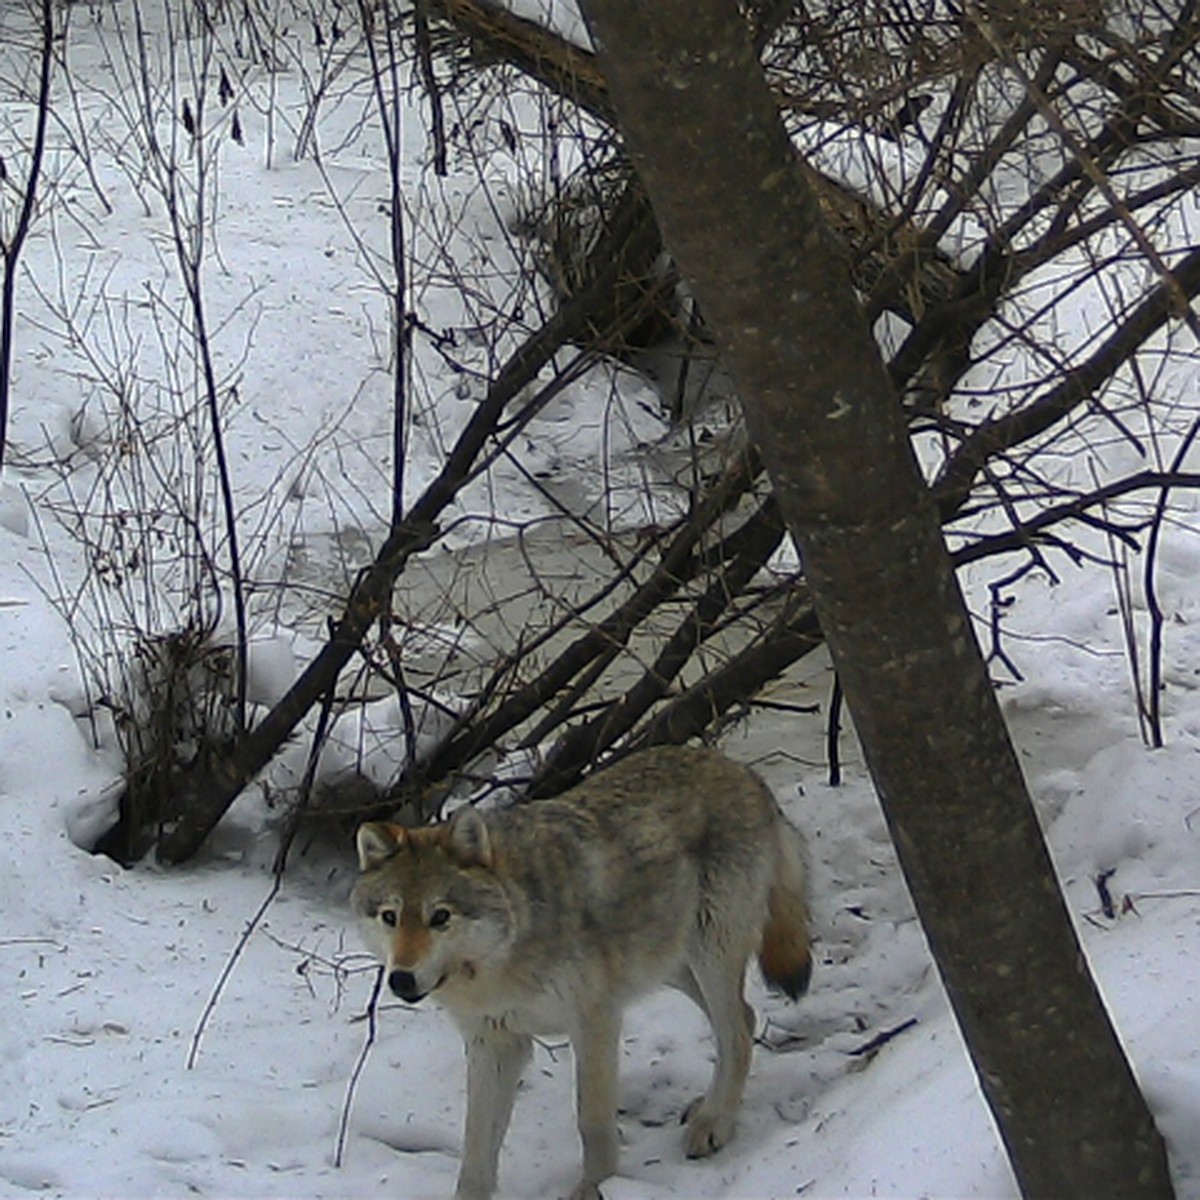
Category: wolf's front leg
[596,1048]
[495,1061]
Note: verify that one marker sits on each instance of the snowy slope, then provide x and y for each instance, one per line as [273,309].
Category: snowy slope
[111,971]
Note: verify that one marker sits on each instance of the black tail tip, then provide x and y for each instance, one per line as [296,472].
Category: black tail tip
[793,984]
[796,984]
[785,956]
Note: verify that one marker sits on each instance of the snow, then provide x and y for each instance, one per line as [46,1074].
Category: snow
[118,1079]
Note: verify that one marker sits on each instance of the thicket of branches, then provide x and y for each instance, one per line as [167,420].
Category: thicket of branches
[1014,188]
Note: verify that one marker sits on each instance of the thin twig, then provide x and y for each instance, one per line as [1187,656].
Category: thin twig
[339,1150]
[10,251]
[226,971]
[833,733]
[1180,299]
[1154,646]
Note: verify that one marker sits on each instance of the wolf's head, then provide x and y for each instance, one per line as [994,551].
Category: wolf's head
[430,904]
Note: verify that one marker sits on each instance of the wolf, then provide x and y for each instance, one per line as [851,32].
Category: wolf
[671,867]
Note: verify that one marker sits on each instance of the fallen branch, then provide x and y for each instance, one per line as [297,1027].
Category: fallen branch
[796,634]
[583,744]
[680,563]
[203,800]
[566,69]
[872,1045]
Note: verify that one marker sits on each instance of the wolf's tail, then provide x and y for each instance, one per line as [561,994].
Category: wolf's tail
[785,954]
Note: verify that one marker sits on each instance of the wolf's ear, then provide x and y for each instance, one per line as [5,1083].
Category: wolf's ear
[378,841]
[469,840]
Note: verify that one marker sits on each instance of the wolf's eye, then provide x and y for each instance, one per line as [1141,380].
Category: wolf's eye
[439,918]
[388,916]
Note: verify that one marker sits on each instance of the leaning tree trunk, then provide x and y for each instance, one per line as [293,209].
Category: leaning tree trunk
[735,210]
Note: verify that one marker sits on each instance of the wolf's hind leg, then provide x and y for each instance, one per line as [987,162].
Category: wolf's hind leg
[495,1061]
[596,1045]
[710,1121]
[685,982]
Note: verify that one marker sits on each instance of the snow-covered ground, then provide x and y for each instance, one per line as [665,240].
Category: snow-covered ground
[111,971]
[863,1089]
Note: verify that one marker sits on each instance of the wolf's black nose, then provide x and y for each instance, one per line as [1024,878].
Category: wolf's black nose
[404,984]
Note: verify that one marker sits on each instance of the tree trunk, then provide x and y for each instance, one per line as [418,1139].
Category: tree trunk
[736,212]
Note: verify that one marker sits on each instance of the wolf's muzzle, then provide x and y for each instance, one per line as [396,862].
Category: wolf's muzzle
[404,984]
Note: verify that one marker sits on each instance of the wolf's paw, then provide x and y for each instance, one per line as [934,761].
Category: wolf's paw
[707,1131]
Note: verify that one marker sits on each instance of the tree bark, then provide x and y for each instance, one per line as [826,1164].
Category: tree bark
[736,213]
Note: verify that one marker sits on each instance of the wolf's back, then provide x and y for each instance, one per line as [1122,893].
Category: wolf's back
[677,805]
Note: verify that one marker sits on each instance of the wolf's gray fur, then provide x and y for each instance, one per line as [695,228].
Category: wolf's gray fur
[672,867]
